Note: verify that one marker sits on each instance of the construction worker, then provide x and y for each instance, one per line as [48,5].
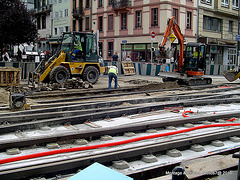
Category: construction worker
[112,74]
[77,48]
[193,60]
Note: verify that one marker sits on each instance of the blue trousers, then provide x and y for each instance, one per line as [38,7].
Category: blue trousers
[110,77]
[75,51]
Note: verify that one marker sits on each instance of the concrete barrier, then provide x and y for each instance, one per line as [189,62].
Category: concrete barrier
[141,68]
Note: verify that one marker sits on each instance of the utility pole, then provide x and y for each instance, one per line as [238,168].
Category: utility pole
[238,40]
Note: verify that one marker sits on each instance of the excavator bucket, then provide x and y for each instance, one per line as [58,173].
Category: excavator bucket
[231,75]
[165,53]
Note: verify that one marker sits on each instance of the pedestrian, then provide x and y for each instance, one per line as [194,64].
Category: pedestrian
[19,55]
[128,58]
[115,57]
[112,74]
[5,56]
[164,66]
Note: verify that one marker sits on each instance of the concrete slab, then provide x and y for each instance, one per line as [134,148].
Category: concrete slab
[213,165]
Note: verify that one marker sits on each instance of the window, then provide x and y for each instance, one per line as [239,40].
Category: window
[74,3]
[189,20]
[230,28]
[43,22]
[138,19]
[110,2]
[55,30]
[87,24]
[175,14]
[100,47]
[100,3]
[60,14]
[225,3]
[206,1]
[212,24]
[100,23]
[154,17]
[123,20]
[66,28]
[51,15]
[60,30]
[66,12]
[232,55]
[38,23]
[56,15]
[235,4]
[110,22]
[74,25]
[110,49]
[87,4]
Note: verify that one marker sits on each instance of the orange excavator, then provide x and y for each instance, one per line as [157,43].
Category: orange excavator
[190,63]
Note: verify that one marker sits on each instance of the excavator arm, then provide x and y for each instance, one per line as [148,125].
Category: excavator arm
[173,26]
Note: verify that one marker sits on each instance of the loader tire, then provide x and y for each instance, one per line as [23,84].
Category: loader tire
[59,74]
[91,74]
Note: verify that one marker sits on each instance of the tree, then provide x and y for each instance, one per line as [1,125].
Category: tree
[16,24]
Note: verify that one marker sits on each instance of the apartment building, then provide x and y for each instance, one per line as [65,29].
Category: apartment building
[218,27]
[43,22]
[81,15]
[60,19]
[125,25]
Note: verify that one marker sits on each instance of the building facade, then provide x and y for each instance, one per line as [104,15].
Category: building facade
[81,15]
[28,3]
[43,8]
[218,27]
[60,19]
[125,25]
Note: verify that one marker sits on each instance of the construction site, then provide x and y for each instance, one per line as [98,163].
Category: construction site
[66,122]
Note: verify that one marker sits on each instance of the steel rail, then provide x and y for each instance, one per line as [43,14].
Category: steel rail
[133,153]
[113,131]
[78,119]
[34,114]
[88,105]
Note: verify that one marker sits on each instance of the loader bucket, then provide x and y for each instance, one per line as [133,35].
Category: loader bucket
[165,53]
[231,75]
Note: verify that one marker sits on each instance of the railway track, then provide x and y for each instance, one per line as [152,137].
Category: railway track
[89,122]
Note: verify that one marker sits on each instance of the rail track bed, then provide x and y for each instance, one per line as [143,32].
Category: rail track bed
[142,134]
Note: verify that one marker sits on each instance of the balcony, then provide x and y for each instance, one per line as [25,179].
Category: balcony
[121,4]
[43,10]
[78,13]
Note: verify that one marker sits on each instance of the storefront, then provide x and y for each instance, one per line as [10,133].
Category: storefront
[138,52]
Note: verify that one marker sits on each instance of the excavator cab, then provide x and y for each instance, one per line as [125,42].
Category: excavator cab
[194,59]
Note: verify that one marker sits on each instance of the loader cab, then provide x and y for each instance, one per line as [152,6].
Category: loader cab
[194,57]
[69,44]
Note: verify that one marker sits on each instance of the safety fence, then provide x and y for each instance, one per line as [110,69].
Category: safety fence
[141,68]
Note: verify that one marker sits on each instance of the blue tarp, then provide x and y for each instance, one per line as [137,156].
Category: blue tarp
[99,172]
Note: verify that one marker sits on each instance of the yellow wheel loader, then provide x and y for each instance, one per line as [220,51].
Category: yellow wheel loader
[67,62]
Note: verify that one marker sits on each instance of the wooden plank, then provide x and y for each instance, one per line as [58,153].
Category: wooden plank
[128,68]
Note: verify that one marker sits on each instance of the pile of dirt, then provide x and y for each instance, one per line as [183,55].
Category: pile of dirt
[138,81]
[156,86]
[4,96]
